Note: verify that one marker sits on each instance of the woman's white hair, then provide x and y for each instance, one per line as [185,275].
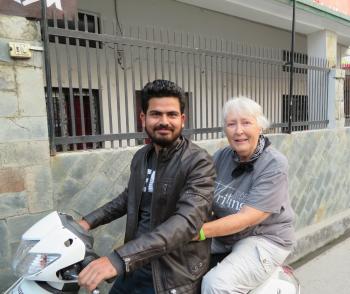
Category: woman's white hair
[245,106]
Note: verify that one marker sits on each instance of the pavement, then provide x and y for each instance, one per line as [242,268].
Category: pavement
[327,273]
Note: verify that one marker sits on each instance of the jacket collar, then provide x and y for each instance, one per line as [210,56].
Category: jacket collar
[165,153]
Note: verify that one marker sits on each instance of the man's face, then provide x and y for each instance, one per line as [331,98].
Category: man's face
[163,121]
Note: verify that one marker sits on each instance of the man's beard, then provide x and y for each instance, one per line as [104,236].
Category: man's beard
[162,140]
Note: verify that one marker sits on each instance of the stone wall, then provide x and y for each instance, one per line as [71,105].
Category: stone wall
[319,182]
[25,175]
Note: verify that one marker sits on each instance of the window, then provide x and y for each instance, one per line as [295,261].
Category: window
[299,58]
[86,22]
[91,115]
[300,113]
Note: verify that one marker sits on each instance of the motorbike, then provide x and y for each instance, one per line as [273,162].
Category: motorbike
[54,251]
[51,255]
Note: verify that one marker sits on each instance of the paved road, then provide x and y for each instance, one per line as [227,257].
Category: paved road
[328,273]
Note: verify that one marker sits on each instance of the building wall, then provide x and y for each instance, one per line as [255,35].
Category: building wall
[170,14]
[25,174]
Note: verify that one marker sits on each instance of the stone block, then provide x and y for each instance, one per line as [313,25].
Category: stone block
[23,128]
[22,154]
[5,252]
[38,184]
[12,204]
[11,180]
[15,27]
[7,78]
[31,99]
[8,103]
[19,224]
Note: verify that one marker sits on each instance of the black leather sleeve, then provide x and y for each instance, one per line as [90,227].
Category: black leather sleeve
[108,212]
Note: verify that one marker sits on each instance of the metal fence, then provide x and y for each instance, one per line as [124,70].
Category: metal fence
[98,71]
[347,98]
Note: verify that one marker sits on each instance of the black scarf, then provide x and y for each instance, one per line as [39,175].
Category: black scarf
[248,166]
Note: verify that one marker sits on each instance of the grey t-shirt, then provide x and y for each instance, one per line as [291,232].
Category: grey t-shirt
[265,187]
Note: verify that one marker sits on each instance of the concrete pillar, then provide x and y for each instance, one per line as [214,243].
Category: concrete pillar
[336,115]
[323,44]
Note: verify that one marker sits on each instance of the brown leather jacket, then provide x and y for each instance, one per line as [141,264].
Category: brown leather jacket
[181,203]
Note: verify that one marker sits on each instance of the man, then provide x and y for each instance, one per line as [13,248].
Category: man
[168,198]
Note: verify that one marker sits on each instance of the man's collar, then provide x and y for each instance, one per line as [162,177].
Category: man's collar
[166,152]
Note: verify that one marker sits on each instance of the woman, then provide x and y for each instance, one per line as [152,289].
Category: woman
[253,222]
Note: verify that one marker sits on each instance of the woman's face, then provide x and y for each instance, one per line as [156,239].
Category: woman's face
[242,132]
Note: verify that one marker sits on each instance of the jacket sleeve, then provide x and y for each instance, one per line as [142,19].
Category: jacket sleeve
[108,212]
[192,210]
[111,211]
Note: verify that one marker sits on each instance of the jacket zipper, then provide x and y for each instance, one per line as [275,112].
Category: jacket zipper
[127,261]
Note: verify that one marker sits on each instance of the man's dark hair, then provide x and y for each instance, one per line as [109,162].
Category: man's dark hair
[159,89]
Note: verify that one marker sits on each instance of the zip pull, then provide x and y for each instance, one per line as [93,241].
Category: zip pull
[165,188]
[127,261]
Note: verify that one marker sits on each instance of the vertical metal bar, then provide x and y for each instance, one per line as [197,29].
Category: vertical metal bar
[232,69]
[155,57]
[312,90]
[147,59]
[200,57]
[227,71]
[278,93]
[161,55]
[182,67]
[117,88]
[140,62]
[100,102]
[190,96]
[218,106]
[212,91]
[256,76]
[70,84]
[126,94]
[133,86]
[250,73]
[246,72]
[222,75]
[117,62]
[175,60]
[169,62]
[81,102]
[60,98]
[323,108]
[290,110]
[238,74]
[206,89]
[194,87]
[49,103]
[91,98]
[110,115]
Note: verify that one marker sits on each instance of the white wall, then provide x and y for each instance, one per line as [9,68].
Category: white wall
[187,18]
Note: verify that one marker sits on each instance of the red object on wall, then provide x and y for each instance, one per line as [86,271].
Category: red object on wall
[340,6]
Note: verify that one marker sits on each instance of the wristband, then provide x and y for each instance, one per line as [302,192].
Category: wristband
[201,235]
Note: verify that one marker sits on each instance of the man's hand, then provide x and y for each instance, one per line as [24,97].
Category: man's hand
[97,271]
[84,224]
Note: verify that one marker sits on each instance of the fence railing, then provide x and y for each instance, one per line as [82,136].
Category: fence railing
[97,78]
